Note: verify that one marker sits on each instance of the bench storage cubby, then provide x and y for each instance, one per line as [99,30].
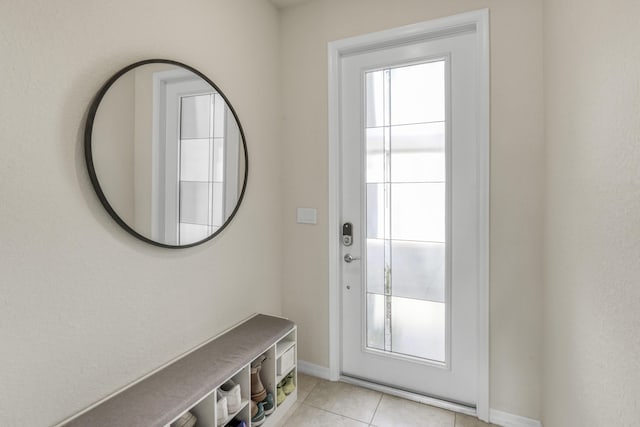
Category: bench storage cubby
[191,383]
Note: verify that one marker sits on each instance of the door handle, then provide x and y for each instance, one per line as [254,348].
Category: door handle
[350,258]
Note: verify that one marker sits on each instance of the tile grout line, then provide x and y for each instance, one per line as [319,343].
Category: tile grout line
[303,402]
[333,413]
[300,402]
[376,410]
[310,391]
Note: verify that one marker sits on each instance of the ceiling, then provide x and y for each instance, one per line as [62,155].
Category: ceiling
[286,3]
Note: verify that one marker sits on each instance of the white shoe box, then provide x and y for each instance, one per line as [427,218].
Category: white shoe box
[285,362]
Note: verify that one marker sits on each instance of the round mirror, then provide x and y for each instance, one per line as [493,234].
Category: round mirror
[166,153]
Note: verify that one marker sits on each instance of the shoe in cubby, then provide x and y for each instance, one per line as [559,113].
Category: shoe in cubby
[268,404]
[257,414]
[258,392]
[231,391]
[288,384]
[222,411]
[186,420]
[280,396]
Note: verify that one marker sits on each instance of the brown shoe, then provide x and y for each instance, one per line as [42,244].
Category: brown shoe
[258,392]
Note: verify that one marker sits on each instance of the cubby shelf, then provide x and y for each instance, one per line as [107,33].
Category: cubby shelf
[283,346]
[191,383]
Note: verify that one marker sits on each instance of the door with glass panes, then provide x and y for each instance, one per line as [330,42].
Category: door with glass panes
[409,189]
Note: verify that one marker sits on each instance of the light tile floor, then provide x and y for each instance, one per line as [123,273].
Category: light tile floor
[335,404]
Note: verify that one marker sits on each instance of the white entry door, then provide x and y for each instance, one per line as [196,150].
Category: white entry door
[411,189]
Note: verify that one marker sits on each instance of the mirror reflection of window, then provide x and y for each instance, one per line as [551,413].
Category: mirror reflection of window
[167,155]
[202,152]
[198,144]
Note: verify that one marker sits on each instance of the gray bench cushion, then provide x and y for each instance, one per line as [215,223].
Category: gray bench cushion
[160,398]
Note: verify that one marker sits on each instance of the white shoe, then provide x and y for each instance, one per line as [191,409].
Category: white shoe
[221,409]
[231,391]
[186,420]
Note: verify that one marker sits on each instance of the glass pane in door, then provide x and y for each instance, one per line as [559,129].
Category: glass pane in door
[406,169]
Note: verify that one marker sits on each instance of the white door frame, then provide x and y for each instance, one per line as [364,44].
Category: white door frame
[475,20]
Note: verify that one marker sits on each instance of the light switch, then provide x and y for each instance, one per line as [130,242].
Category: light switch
[307,216]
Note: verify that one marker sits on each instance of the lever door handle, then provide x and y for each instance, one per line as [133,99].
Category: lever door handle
[350,258]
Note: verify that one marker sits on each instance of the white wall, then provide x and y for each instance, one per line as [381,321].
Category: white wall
[84,307]
[517,175]
[592,289]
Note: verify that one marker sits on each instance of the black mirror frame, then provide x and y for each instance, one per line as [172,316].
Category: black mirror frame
[88,153]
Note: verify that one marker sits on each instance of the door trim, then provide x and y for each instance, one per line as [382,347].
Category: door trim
[478,20]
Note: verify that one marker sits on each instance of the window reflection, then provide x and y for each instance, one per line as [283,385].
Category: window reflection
[202,144]
[197,168]
[158,130]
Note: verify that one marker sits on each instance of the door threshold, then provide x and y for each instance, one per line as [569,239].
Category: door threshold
[432,401]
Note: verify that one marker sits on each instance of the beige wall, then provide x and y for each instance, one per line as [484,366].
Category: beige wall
[592,292]
[84,307]
[517,175]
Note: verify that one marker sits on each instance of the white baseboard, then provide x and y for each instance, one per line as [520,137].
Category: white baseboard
[505,419]
[313,370]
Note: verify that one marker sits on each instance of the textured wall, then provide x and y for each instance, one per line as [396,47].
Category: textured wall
[592,292]
[517,175]
[84,307]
